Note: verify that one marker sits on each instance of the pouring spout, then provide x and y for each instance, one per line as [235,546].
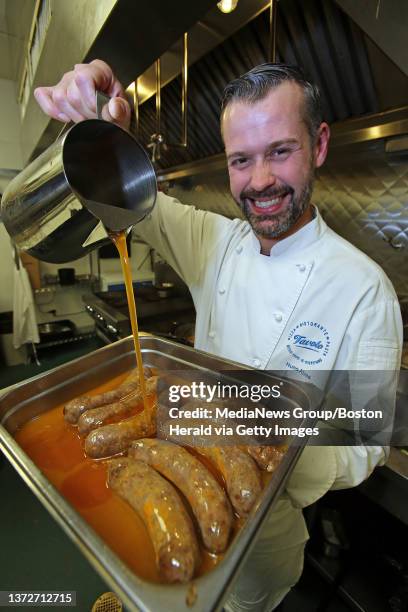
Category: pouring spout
[98,234]
[113,218]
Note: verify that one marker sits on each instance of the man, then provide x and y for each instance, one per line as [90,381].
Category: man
[268,288]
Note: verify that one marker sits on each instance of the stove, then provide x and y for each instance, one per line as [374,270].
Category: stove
[171,317]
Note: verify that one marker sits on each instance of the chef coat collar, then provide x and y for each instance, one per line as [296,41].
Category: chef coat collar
[298,241]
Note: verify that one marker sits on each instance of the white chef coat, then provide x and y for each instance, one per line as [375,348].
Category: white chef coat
[253,309]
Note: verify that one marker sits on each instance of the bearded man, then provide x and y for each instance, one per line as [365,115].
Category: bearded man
[262,283]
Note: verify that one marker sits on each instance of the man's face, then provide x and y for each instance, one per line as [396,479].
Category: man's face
[271,160]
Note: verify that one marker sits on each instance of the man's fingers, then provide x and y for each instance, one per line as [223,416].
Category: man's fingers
[96,76]
[77,101]
[118,111]
[108,83]
[43,96]
[60,100]
[54,102]
[63,117]
[73,98]
[88,79]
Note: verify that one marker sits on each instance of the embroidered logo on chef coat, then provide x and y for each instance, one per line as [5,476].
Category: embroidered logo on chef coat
[309,342]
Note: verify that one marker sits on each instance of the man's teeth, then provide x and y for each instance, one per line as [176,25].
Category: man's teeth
[268,203]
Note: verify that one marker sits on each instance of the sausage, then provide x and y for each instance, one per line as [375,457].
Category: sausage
[240,472]
[112,439]
[206,497]
[92,419]
[162,511]
[74,408]
[241,475]
[164,428]
[267,457]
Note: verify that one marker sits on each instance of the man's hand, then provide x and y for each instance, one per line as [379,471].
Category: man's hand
[73,98]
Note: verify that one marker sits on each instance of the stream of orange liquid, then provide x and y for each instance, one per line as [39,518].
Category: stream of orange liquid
[119,239]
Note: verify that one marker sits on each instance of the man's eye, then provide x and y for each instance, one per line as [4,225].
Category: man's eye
[239,162]
[280,153]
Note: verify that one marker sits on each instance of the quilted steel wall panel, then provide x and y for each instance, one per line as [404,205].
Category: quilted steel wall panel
[361,192]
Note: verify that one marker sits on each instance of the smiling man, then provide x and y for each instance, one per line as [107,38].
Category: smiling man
[274,139]
[277,291]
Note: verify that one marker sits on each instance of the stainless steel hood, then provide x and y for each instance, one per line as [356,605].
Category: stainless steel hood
[133,36]
[388,126]
[137,33]
[356,78]
[386,24]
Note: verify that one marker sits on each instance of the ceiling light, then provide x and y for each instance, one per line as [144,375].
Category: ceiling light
[227,6]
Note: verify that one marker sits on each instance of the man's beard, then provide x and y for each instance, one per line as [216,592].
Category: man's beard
[281,222]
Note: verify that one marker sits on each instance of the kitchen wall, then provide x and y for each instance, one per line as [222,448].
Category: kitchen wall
[10,157]
[363,195]
[361,191]
[10,148]
[73,28]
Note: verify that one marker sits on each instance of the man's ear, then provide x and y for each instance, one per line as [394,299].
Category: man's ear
[322,144]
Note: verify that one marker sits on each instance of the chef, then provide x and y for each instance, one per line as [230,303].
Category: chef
[278,290]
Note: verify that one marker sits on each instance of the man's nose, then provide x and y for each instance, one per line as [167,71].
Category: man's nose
[262,176]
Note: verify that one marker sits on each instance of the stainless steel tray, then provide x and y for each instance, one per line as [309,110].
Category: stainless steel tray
[24,401]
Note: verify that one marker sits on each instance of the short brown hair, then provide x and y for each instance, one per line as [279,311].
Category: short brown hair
[259,81]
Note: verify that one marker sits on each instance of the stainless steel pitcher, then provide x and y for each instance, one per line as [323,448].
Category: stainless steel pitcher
[96,177]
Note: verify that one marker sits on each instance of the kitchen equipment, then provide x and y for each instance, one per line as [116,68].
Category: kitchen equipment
[165,290]
[94,177]
[28,399]
[56,330]
[164,273]
[156,314]
[183,333]
[66,276]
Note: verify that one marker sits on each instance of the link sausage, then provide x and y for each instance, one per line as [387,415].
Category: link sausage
[267,457]
[241,475]
[240,472]
[74,408]
[92,419]
[205,496]
[112,439]
[162,511]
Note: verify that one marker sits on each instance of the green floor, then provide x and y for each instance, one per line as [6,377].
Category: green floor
[36,555]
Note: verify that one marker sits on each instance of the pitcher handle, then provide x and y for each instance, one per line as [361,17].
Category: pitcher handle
[101,100]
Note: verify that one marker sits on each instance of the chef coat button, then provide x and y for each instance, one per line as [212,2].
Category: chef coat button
[256,363]
[302,268]
[239,249]
[212,334]
[278,317]
[221,290]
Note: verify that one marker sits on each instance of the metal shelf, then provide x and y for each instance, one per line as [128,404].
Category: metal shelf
[72,339]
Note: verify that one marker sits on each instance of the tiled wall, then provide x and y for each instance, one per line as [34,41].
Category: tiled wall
[362,193]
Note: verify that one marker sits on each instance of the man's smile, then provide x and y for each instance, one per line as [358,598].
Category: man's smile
[270,202]
[267,205]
